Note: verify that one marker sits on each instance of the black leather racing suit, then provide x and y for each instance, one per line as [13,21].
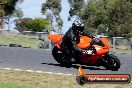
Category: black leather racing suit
[69,42]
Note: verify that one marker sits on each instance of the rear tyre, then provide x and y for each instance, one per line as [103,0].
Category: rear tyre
[111,62]
[59,55]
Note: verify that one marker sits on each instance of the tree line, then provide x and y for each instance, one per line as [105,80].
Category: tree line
[8,9]
[29,24]
[108,17]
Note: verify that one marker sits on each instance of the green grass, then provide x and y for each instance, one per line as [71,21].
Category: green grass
[24,41]
[21,79]
[12,85]
[125,51]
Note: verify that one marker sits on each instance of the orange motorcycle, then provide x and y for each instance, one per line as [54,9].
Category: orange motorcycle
[101,57]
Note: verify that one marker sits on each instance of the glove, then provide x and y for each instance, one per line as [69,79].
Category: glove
[96,39]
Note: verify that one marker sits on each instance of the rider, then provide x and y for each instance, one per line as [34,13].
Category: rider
[72,37]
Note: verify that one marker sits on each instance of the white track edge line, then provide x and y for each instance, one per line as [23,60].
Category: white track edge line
[37,71]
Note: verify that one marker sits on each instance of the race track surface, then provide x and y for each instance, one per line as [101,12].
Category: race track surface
[42,60]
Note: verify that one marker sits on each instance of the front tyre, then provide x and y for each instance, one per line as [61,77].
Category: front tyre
[111,62]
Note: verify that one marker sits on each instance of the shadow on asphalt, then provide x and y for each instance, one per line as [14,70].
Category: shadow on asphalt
[76,66]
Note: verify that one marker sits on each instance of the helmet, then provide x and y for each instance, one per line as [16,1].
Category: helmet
[77,26]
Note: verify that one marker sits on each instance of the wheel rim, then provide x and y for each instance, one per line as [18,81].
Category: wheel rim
[110,62]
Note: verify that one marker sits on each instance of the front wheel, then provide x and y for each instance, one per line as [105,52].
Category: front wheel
[111,62]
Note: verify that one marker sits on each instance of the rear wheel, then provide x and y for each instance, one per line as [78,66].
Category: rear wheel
[111,62]
[57,54]
[59,57]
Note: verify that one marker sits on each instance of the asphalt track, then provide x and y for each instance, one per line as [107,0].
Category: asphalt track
[42,60]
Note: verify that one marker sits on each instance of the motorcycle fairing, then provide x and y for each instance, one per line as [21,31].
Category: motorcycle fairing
[84,42]
[100,50]
[90,59]
[55,38]
[106,42]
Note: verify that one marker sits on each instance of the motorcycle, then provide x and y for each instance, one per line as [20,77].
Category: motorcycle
[101,56]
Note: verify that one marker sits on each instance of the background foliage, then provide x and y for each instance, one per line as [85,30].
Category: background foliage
[29,24]
[52,9]
[22,24]
[38,24]
[109,17]
[8,9]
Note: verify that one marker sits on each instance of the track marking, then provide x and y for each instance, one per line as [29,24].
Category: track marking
[52,73]
[7,68]
[39,71]
[18,70]
[29,70]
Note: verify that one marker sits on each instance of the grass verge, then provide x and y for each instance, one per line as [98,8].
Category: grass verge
[123,51]
[22,79]
[24,41]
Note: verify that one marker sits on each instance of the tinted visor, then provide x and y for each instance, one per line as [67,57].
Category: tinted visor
[80,29]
